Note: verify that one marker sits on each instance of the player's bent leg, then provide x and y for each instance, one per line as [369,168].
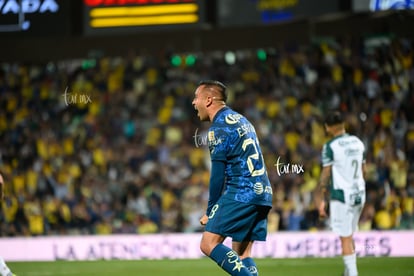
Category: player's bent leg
[229,261]
[251,266]
[244,249]
[211,245]
[209,241]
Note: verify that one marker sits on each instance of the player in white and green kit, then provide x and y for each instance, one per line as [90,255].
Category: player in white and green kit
[343,161]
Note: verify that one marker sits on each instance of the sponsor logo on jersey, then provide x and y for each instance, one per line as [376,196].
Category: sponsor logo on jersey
[211,136]
[352,152]
[260,189]
[232,119]
[347,142]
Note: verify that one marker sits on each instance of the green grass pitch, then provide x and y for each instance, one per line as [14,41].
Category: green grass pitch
[379,266]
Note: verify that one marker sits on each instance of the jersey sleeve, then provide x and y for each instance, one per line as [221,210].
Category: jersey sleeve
[216,183]
[218,140]
[327,155]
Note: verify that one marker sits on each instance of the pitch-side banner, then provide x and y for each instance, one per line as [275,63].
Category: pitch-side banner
[186,246]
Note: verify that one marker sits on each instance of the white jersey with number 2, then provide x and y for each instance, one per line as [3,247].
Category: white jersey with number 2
[346,154]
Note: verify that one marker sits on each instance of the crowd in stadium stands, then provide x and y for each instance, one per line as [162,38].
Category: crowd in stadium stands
[113,145]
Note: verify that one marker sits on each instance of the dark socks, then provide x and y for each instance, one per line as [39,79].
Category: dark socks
[251,266]
[229,261]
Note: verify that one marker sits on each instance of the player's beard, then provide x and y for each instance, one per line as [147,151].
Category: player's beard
[200,115]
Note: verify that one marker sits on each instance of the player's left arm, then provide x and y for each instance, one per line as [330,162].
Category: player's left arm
[216,183]
[217,178]
[364,165]
[364,170]
[322,190]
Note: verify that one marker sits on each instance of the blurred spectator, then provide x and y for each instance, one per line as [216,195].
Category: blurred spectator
[383,219]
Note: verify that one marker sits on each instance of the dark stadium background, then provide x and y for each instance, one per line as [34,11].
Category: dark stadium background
[67,39]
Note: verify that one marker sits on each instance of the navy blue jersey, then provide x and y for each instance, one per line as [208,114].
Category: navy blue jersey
[232,139]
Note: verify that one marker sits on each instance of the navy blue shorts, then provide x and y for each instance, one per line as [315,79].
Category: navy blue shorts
[238,220]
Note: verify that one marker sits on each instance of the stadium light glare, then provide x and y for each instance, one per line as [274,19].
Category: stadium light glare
[230,58]
[190,60]
[176,60]
[141,16]
[88,63]
[143,21]
[143,11]
[261,54]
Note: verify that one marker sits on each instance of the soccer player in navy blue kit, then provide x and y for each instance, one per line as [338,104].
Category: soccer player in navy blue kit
[240,194]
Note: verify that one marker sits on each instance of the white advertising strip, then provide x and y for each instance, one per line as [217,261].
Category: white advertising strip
[186,246]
